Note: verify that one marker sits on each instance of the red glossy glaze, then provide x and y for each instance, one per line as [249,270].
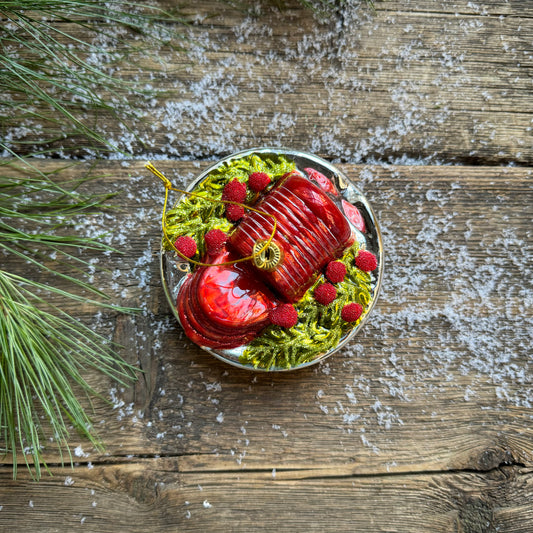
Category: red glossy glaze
[325,183]
[232,298]
[322,206]
[198,328]
[224,306]
[311,231]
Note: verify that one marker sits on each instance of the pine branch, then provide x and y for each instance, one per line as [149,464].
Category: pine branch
[44,353]
[51,60]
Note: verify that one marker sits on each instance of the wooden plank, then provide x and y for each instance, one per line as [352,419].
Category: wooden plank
[421,424]
[429,81]
[153,495]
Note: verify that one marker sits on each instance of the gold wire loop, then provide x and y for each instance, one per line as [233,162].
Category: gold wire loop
[159,174]
[267,256]
[264,245]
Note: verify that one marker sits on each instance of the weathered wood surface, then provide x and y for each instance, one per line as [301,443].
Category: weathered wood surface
[436,81]
[154,496]
[421,424]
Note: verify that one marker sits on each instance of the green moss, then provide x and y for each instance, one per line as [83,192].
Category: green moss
[196,215]
[319,328]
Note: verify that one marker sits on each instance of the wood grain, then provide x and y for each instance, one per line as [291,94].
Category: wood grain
[154,496]
[430,81]
[421,424]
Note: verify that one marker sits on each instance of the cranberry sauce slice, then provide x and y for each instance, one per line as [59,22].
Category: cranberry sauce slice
[311,231]
[224,306]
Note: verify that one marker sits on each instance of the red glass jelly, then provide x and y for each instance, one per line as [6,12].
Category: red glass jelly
[311,231]
[224,306]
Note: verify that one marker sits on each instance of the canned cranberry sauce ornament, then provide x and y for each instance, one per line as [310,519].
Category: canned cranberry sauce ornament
[271,259]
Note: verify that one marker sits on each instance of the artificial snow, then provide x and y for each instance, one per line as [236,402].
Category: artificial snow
[479,329]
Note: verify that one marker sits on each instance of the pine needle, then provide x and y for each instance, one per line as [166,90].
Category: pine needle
[45,353]
[58,66]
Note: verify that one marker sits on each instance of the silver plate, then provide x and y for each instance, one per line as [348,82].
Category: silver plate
[174,269]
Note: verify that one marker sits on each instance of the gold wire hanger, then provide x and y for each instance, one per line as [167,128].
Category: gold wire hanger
[258,251]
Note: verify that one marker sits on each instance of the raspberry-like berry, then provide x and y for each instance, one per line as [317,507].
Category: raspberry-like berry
[214,240]
[335,271]
[186,245]
[284,315]
[234,212]
[366,261]
[325,293]
[234,191]
[258,181]
[351,312]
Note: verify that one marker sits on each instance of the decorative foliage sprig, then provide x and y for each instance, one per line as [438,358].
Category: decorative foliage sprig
[57,77]
[44,352]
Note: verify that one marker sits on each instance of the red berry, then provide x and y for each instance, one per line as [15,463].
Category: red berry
[214,240]
[258,181]
[234,191]
[325,293]
[186,245]
[366,261]
[284,315]
[234,212]
[335,271]
[351,312]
